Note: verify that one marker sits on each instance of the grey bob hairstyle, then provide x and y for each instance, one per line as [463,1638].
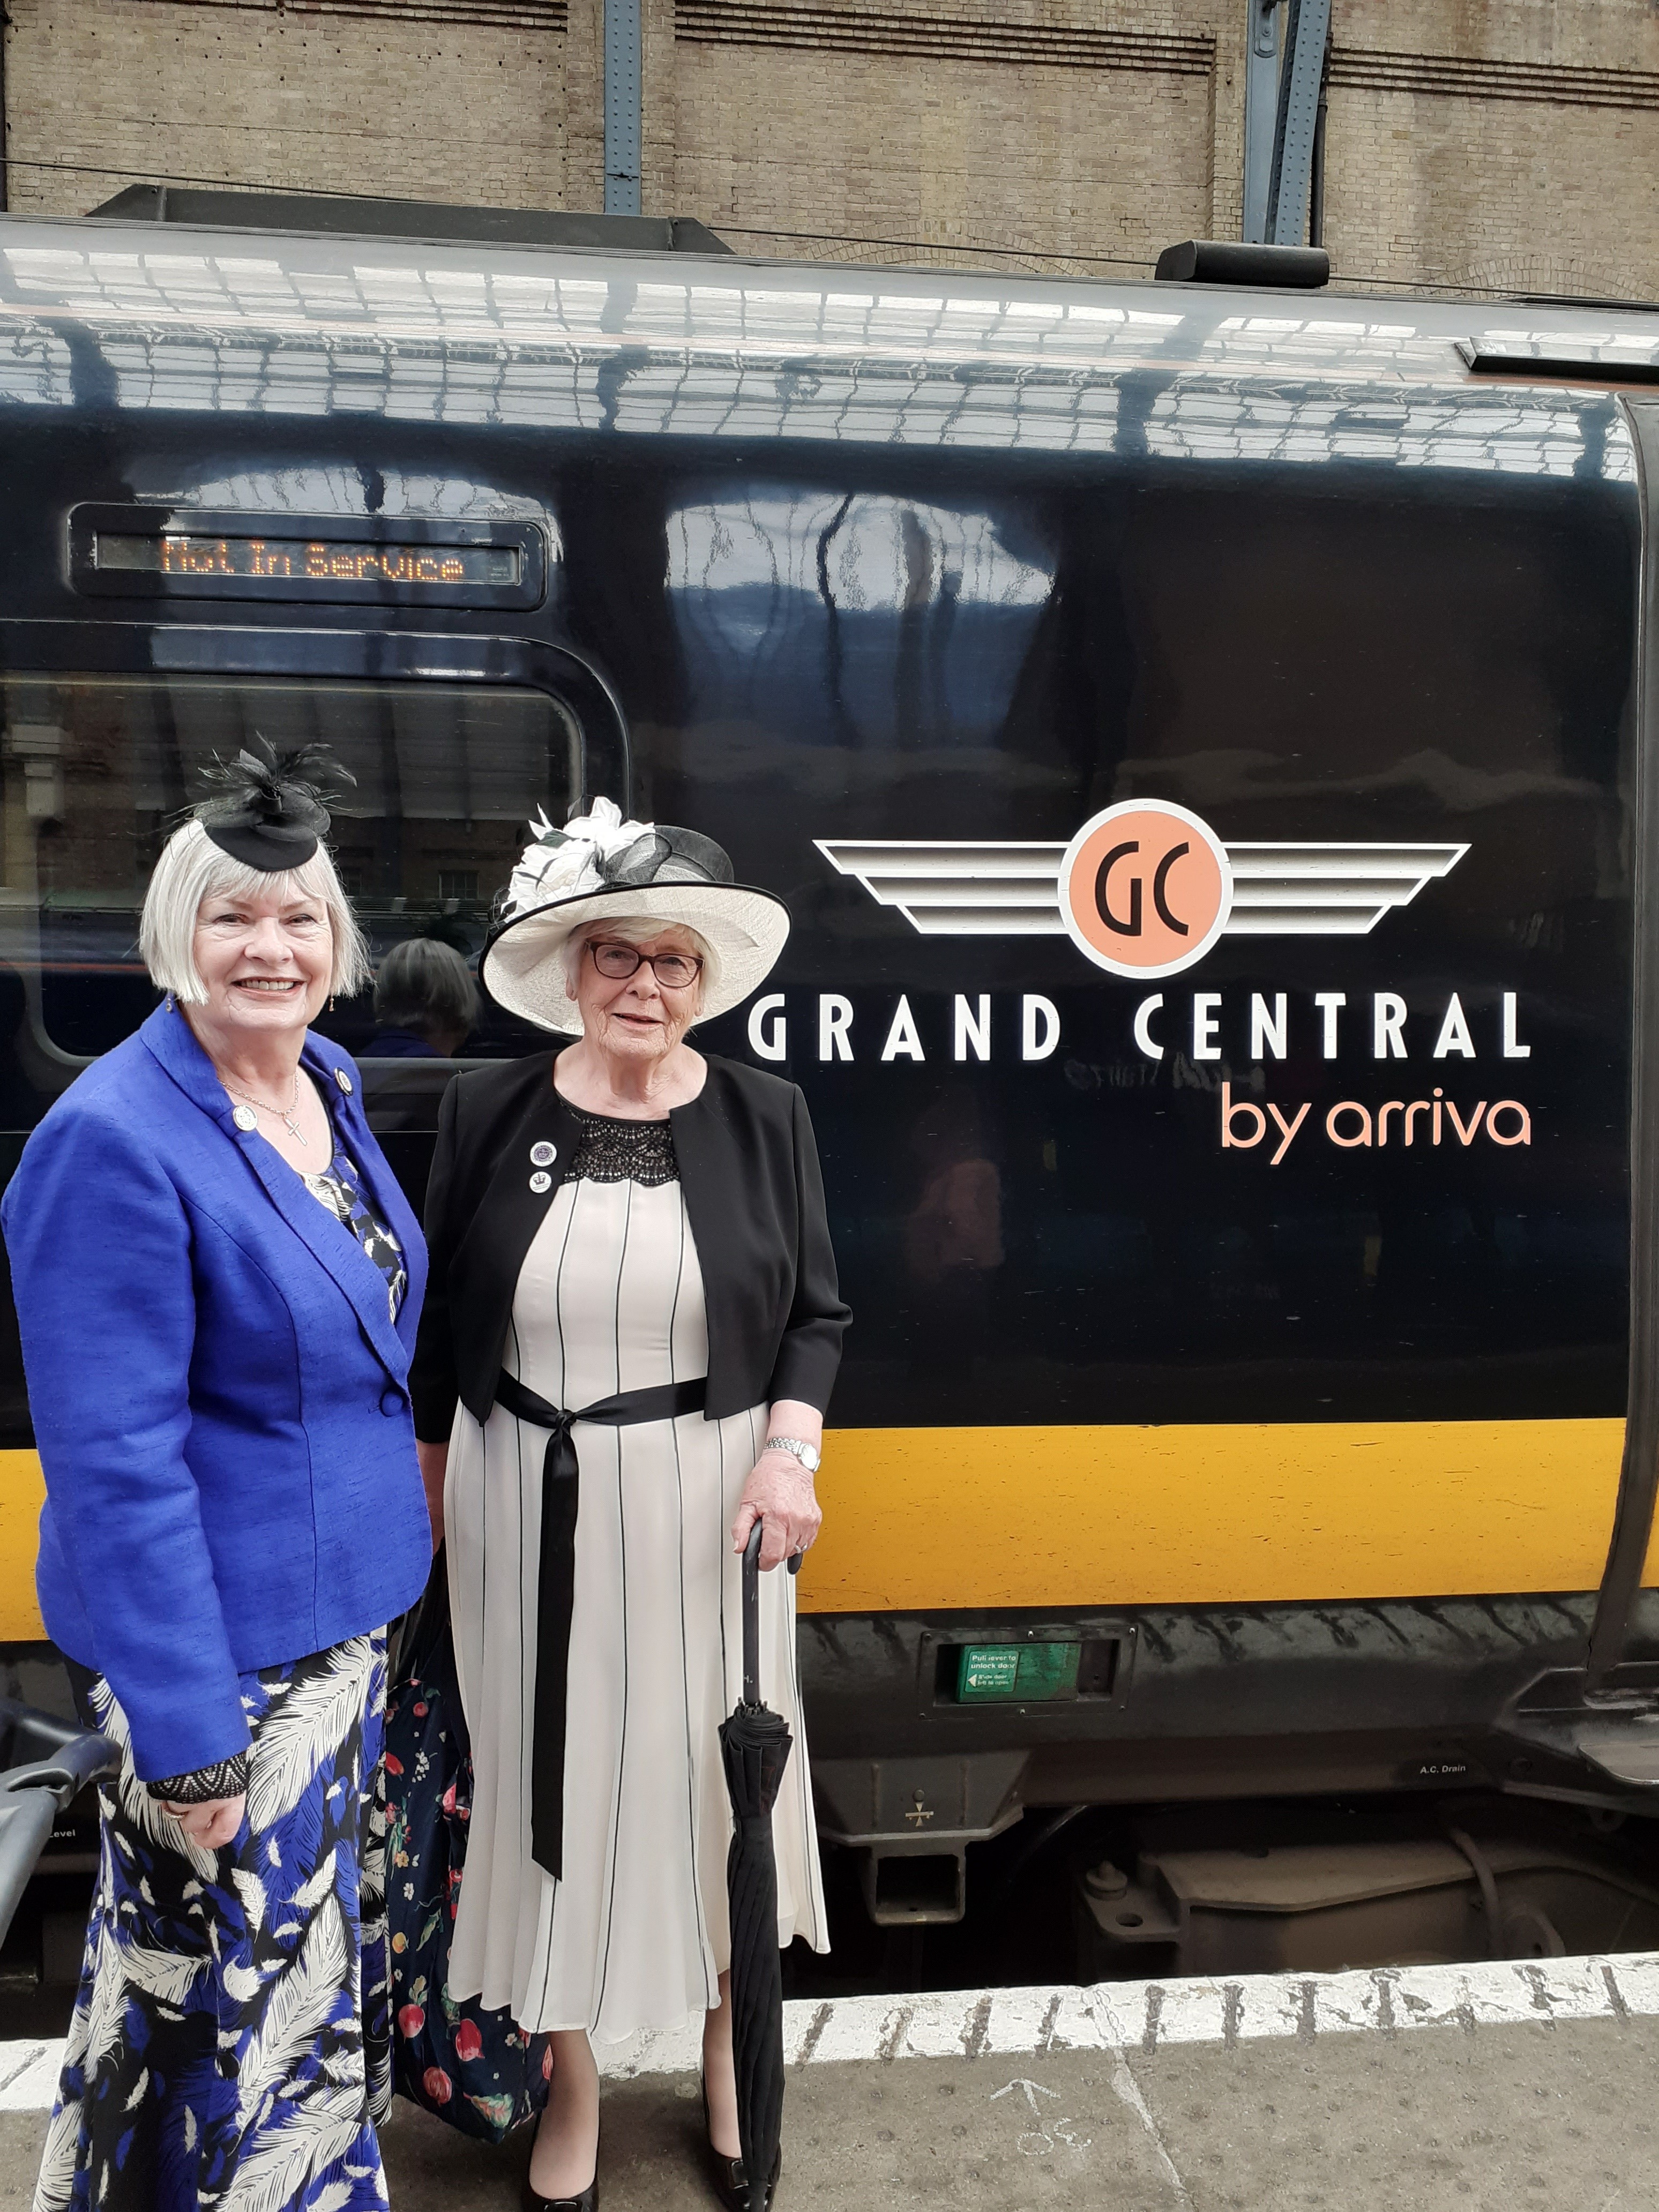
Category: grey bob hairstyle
[192,869]
[423,985]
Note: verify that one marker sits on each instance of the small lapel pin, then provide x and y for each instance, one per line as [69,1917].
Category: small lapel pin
[543,1155]
[541,1180]
[245,1117]
[343,1080]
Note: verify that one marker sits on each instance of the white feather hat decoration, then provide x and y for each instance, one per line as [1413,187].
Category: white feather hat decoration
[599,865]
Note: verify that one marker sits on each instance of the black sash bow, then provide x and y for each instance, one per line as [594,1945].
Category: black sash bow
[560,1472]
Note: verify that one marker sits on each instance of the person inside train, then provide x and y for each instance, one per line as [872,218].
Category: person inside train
[425,1003]
[622,1219]
[217,1280]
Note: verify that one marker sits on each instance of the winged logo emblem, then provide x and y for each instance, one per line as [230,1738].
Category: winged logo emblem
[1013,891]
[975,888]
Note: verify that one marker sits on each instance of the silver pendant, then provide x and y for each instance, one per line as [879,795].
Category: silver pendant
[245,1117]
[543,1155]
[541,1180]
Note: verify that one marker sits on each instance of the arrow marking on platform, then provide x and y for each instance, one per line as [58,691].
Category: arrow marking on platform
[1033,2091]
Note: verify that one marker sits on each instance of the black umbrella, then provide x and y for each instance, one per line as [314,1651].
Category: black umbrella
[755,1743]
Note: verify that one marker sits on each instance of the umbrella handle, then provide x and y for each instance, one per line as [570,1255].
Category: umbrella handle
[751,1695]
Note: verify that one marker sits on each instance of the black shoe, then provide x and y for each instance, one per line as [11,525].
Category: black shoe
[732,2182]
[587,2201]
[728,2175]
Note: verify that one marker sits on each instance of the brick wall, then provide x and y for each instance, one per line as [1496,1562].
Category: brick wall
[1505,142]
[1514,143]
[361,102]
[1018,126]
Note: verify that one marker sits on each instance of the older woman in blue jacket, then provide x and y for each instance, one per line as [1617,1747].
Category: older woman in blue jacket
[218,1281]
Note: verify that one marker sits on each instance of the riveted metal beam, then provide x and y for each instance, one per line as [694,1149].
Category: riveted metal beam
[1307,29]
[1260,112]
[623,94]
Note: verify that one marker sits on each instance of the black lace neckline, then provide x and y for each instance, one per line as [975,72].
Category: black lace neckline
[613,1149]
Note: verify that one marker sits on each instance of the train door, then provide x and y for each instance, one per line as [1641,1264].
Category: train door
[1631,1563]
[453,743]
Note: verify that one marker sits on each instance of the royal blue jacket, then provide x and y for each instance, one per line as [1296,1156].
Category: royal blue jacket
[217,1388]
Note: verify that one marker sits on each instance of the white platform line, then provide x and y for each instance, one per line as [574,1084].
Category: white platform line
[1110,2016]
[1139,2016]
[28,2076]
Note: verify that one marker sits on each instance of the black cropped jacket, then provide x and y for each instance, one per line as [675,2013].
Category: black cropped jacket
[754,1194]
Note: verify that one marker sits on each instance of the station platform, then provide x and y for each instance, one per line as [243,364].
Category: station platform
[1478,2088]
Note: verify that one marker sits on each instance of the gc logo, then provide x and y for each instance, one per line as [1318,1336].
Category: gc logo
[1145,888]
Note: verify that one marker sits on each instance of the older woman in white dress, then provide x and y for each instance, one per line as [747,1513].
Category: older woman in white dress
[625,1360]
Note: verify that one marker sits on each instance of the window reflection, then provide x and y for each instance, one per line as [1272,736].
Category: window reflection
[915,616]
[95,771]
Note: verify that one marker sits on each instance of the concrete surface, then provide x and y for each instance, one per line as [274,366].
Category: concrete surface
[1470,2112]
[1442,2122]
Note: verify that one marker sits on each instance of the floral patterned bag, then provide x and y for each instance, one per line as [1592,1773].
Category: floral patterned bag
[472,2067]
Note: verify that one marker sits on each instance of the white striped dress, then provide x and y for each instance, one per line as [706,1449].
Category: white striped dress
[609,1298]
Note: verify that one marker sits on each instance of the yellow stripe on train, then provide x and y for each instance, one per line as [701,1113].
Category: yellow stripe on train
[918,1520]
[23,1486]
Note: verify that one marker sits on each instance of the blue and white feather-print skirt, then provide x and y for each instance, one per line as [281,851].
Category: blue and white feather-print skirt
[230,2037]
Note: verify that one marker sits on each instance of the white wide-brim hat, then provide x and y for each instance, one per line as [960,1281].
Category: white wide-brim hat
[600,867]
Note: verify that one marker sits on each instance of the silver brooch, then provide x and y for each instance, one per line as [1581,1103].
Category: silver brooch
[343,1080]
[543,1155]
[541,1180]
[245,1117]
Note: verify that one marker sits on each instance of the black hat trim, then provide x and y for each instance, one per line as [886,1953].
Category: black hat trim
[273,850]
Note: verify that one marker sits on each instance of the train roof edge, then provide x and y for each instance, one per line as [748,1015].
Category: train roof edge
[1204,327]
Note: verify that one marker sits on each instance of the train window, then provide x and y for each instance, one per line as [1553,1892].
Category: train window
[96,770]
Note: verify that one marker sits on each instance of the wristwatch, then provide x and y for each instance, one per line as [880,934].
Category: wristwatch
[810,1457]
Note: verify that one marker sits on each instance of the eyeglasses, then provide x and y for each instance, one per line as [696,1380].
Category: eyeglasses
[674,971]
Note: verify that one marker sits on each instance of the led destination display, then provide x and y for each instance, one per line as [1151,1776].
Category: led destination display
[293,560]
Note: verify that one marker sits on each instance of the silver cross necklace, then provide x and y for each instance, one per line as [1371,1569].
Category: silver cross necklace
[284,1114]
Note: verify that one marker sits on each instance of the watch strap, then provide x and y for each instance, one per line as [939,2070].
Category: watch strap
[810,1457]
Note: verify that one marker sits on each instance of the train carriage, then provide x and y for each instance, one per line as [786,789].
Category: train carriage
[1201,733]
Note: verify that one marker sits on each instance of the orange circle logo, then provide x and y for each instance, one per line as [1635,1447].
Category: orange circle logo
[1145,888]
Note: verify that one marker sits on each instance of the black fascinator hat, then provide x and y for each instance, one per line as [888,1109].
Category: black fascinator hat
[267,808]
